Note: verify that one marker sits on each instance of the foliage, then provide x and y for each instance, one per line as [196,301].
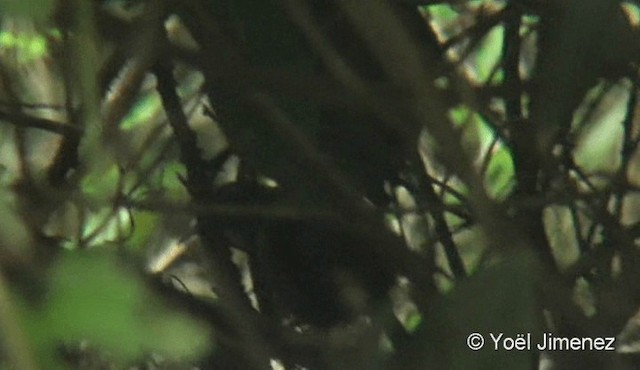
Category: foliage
[319,184]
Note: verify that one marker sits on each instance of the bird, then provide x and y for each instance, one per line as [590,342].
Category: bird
[304,270]
[316,274]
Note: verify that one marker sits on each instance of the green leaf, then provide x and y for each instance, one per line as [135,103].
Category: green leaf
[145,224]
[459,114]
[500,175]
[500,299]
[93,297]
[413,322]
[442,13]
[488,53]
[36,9]
[142,112]
[171,182]
[100,184]
[28,46]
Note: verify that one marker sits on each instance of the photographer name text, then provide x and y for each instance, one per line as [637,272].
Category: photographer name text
[547,342]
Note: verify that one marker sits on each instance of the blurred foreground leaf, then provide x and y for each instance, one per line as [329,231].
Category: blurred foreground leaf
[94,298]
[499,299]
[36,9]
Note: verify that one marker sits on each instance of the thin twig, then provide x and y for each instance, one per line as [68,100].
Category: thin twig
[232,212]
[27,121]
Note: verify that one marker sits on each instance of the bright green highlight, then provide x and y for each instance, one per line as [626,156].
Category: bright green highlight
[500,175]
[27,47]
[488,53]
[143,111]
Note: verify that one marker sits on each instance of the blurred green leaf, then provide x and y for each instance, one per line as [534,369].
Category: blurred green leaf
[28,46]
[442,13]
[599,141]
[500,175]
[460,114]
[36,9]
[500,299]
[145,224]
[100,184]
[488,53]
[142,112]
[94,297]
[171,182]
[498,77]
[413,322]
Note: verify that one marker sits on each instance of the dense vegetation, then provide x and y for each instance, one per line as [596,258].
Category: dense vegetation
[330,184]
